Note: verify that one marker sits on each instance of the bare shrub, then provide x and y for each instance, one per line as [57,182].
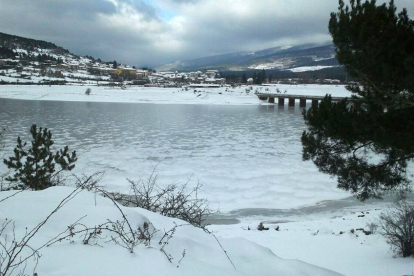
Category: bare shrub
[118,231]
[175,200]
[16,251]
[397,226]
[372,227]
[4,185]
[171,201]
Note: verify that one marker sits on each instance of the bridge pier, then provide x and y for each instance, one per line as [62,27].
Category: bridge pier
[302,99]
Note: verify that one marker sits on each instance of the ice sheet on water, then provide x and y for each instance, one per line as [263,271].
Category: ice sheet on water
[245,156]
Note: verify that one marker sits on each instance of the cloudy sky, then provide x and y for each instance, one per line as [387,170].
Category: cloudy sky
[152,32]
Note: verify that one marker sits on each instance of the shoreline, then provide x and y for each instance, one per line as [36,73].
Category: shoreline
[155,95]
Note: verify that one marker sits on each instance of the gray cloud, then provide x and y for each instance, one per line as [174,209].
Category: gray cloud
[143,32]
[142,7]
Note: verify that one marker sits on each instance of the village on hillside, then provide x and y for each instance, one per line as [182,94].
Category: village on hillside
[60,69]
[48,68]
[35,62]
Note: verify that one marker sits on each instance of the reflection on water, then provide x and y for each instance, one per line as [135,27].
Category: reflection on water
[190,128]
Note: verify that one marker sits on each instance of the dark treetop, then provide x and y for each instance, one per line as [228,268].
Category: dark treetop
[367,144]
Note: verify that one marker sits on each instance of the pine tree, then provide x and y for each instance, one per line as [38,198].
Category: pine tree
[244,78]
[259,78]
[35,167]
[263,78]
[255,77]
[366,142]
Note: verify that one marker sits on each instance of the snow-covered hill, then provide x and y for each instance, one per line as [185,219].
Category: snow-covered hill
[25,60]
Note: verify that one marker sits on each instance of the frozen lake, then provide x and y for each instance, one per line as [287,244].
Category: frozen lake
[245,156]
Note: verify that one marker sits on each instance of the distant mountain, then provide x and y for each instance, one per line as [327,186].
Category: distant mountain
[279,58]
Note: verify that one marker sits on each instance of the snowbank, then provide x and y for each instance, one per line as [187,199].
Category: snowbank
[203,254]
[325,239]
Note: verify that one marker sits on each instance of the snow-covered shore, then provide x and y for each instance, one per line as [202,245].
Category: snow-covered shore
[323,242]
[315,239]
[203,254]
[326,239]
[223,96]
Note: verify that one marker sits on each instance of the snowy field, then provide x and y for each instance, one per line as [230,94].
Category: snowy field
[309,68]
[221,96]
[248,157]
